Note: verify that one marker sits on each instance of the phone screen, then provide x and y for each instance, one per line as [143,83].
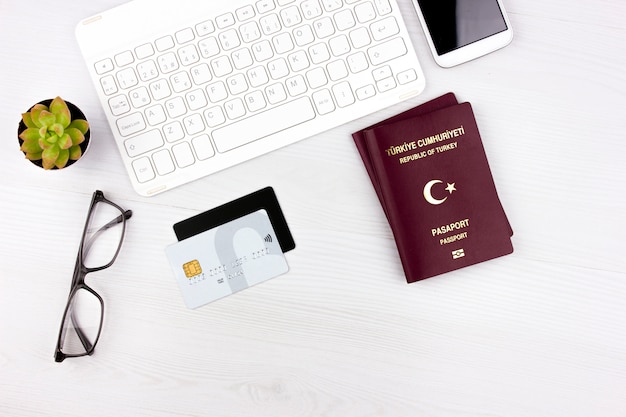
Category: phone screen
[456,23]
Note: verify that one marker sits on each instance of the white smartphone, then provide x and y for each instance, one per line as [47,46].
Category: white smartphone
[461,30]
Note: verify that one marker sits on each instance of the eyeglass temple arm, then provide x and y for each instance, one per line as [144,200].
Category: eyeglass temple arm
[81,335]
[127,215]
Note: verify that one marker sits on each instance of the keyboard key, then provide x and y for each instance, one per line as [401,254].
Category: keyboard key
[214,117]
[337,70]
[234,108]
[139,97]
[164,43]
[275,93]
[357,62]
[201,74]
[180,82]
[184,36]
[257,76]
[103,66]
[339,45]
[225,20]
[144,51]
[173,131]
[360,37]
[278,68]
[264,6]
[160,89]
[365,92]
[383,7]
[255,101]
[296,85]
[270,24]
[143,143]
[147,70]
[216,92]
[229,39]
[303,35]
[209,47]
[119,105]
[343,94]
[250,32]
[387,51]
[124,58]
[183,155]
[290,16]
[196,99]
[263,124]
[331,5]
[108,85]
[365,12]
[323,102]
[344,19]
[221,66]
[188,55]
[167,62]
[131,124]
[407,76]
[163,162]
[205,28]
[244,13]
[324,27]
[311,9]
[386,84]
[175,107]
[385,28]
[193,124]
[127,78]
[202,146]
[143,169]
[155,115]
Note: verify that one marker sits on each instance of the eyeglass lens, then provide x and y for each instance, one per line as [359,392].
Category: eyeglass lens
[103,235]
[82,323]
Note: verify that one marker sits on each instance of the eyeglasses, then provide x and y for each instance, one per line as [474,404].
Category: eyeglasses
[101,243]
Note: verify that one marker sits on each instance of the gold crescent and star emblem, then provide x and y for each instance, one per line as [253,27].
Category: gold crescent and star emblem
[428,191]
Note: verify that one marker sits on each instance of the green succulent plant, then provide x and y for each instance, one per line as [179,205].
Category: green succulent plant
[51,135]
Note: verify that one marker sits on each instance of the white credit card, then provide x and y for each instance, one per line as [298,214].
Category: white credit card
[226,259]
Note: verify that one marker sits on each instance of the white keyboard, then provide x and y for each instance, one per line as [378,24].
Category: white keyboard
[192,87]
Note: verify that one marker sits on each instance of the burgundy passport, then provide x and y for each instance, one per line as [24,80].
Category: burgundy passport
[429,169]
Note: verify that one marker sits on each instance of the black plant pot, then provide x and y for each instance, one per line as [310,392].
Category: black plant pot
[75,113]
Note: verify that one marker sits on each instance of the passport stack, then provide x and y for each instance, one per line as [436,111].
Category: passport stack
[430,172]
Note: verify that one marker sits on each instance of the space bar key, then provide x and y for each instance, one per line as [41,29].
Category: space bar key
[263,124]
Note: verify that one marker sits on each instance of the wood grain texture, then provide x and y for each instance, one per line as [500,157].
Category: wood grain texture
[539,333]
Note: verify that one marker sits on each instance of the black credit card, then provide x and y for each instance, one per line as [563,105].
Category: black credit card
[262,199]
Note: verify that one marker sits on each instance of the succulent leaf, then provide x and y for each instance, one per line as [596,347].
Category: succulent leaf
[46,118]
[59,108]
[31,146]
[43,144]
[35,112]
[28,121]
[57,128]
[64,156]
[75,152]
[34,156]
[80,124]
[49,156]
[65,141]
[77,136]
[32,133]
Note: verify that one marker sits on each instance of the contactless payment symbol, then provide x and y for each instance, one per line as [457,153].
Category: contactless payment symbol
[192,268]
[459,253]
[428,191]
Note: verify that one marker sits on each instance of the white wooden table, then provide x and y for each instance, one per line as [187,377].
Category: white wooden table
[541,332]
